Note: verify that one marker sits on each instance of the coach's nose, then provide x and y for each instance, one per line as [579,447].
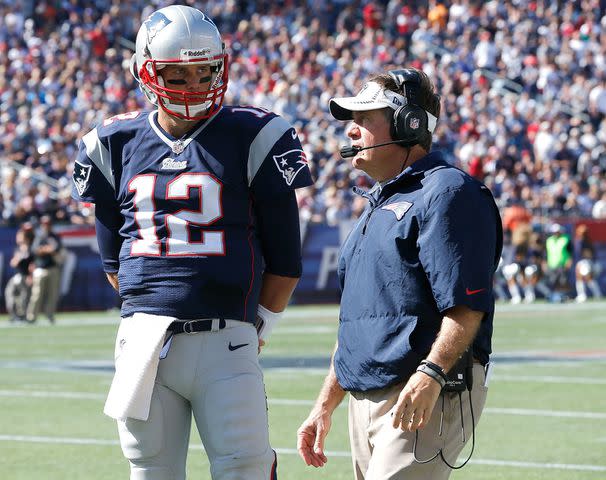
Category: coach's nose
[353,130]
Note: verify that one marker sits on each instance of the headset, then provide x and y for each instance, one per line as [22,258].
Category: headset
[410,123]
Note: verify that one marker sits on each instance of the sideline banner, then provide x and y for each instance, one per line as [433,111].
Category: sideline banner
[84,286]
[83,283]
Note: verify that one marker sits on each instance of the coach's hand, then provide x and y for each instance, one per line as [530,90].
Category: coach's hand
[415,403]
[261,345]
[311,435]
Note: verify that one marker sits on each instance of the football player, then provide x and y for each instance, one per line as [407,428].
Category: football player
[587,269]
[196,220]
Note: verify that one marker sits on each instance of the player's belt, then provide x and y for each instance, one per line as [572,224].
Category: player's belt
[195,326]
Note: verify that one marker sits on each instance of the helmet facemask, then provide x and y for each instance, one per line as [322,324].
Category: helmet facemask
[187,105]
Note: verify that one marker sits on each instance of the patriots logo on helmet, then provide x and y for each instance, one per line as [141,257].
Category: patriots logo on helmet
[156,22]
[81,176]
[414,123]
[290,164]
[209,20]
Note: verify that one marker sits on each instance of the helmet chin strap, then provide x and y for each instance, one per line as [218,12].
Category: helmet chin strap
[191,111]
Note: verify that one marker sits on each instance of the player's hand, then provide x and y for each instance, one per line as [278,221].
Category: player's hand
[261,344]
[310,438]
[415,403]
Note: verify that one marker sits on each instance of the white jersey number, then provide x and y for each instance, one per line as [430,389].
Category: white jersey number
[256,111]
[178,224]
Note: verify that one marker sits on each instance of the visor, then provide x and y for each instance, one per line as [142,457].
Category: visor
[372,97]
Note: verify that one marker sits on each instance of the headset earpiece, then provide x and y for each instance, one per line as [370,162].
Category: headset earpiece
[409,125]
[410,122]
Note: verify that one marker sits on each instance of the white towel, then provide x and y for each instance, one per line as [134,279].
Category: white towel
[137,355]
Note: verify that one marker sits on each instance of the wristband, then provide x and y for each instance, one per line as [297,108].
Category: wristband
[436,368]
[427,370]
[266,321]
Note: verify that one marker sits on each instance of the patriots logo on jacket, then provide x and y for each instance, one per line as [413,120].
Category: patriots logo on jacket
[81,176]
[398,208]
[156,22]
[290,164]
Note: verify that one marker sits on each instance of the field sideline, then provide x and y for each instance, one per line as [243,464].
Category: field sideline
[545,417]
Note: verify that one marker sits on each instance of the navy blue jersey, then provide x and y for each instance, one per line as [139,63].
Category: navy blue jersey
[430,241]
[190,245]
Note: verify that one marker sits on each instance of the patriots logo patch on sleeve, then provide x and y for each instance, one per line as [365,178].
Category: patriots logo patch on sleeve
[81,176]
[290,164]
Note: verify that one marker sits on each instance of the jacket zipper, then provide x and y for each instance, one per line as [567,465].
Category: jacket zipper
[367,220]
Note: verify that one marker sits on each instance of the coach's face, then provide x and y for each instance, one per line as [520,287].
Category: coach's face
[370,128]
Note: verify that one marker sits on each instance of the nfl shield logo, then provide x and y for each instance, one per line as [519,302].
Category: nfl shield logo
[177,147]
[81,176]
[414,123]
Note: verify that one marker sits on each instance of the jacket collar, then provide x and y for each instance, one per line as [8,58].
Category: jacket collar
[420,168]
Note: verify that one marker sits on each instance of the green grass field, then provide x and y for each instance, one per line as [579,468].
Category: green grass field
[545,417]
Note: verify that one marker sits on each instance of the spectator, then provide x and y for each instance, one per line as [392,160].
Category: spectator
[63,70]
[599,208]
[515,217]
[372,15]
[437,15]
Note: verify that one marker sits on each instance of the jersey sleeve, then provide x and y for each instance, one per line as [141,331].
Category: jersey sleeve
[93,175]
[460,243]
[108,222]
[276,161]
[278,227]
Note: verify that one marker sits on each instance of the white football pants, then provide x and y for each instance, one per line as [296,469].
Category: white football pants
[215,375]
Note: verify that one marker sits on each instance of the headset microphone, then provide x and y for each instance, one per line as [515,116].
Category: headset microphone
[347,152]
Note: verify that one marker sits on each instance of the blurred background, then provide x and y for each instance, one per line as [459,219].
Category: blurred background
[523,88]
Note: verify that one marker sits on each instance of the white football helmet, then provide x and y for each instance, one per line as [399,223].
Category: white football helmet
[180,35]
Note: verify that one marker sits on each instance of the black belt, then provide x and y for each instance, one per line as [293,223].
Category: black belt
[195,326]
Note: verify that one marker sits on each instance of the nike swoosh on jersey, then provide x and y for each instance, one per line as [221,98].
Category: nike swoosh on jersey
[235,347]
[473,292]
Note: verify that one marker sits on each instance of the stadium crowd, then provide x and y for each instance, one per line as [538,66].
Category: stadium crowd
[523,104]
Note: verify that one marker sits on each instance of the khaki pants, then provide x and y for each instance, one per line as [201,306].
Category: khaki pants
[45,293]
[381,452]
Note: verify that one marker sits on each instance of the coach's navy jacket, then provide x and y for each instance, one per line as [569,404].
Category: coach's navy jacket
[430,241]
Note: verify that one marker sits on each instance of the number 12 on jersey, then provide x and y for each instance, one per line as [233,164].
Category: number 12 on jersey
[179,223]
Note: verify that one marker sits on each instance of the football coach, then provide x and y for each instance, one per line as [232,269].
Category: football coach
[416,276]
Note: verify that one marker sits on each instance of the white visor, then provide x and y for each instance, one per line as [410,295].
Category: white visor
[372,97]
